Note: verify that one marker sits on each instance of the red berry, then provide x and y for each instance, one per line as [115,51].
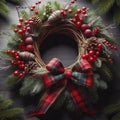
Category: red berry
[78,11]
[91,59]
[115,48]
[104,41]
[30,22]
[97,53]
[21,19]
[100,45]
[84,8]
[20,32]
[13,52]
[22,66]
[70,10]
[110,60]
[84,56]
[74,20]
[16,73]
[30,19]
[19,25]
[76,16]
[84,27]
[83,11]
[26,22]
[88,32]
[29,40]
[39,1]
[62,12]
[15,30]
[72,1]
[8,51]
[96,31]
[28,28]
[81,19]
[31,9]
[91,53]
[36,12]
[30,48]
[21,75]
[78,24]
[13,62]
[17,57]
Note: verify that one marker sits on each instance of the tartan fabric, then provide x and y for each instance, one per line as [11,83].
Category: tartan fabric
[49,98]
[79,99]
[56,80]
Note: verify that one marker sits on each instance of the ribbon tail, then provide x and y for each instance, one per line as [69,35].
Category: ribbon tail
[79,100]
[49,98]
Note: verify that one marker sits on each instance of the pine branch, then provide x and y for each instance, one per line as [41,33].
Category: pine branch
[4,55]
[10,113]
[31,85]
[116,15]
[12,80]
[95,1]
[5,104]
[105,5]
[40,71]
[112,109]
[3,7]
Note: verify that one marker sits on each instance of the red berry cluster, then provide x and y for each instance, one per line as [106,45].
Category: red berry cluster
[109,45]
[92,55]
[17,62]
[34,8]
[79,19]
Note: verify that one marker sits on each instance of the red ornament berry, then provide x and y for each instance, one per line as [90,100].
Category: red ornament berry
[16,73]
[69,10]
[78,11]
[26,22]
[31,9]
[19,25]
[76,16]
[84,27]
[39,1]
[21,19]
[96,31]
[8,51]
[17,57]
[81,19]
[13,62]
[100,45]
[30,48]
[110,60]
[36,12]
[97,53]
[91,59]
[20,32]
[30,22]
[21,74]
[74,20]
[84,8]
[84,56]
[72,1]
[88,32]
[33,6]
[91,53]
[62,12]
[15,30]
[22,66]
[78,24]
[83,11]
[28,28]
[29,40]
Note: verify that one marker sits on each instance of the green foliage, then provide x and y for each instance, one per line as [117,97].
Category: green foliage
[113,111]
[106,71]
[40,71]
[106,5]
[24,14]
[7,111]
[3,7]
[31,85]
[5,56]
[94,20]
[12,80]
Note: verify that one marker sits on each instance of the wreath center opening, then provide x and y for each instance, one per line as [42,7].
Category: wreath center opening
[60,46]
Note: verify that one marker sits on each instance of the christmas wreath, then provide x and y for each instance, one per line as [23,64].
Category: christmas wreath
[76,85]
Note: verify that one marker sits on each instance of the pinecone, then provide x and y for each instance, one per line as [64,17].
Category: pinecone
[92,43]
[30,67]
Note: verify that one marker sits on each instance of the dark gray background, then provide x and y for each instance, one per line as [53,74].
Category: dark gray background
[67,55]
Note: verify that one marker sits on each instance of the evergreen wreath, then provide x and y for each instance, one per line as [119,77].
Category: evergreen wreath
[76,85]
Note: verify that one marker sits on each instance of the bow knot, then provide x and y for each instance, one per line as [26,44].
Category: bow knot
[58,77]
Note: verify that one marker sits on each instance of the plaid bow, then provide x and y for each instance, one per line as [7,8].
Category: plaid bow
[56,80]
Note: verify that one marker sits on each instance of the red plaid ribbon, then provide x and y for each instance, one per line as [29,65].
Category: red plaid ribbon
[56,80]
